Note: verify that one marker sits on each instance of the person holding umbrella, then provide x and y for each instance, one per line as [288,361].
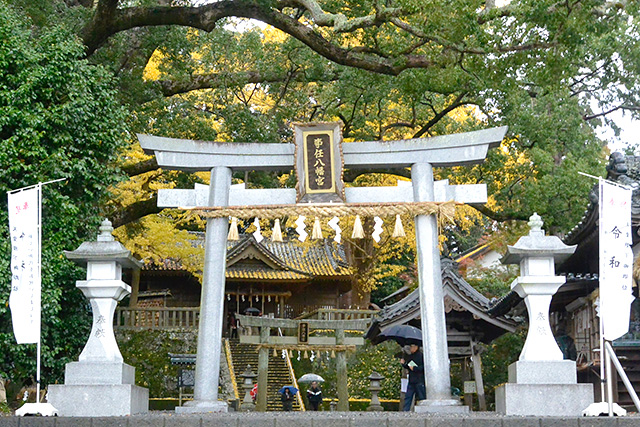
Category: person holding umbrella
[314,396]
[288,393]
[414,363]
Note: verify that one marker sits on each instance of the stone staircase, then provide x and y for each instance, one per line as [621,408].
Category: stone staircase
[279,376]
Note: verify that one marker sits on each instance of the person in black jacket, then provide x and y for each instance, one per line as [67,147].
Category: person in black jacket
[287,399]
[414,362]
[314,396]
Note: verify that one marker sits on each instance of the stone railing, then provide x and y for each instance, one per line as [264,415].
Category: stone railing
[156,318]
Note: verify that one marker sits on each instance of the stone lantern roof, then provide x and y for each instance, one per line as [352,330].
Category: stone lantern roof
[106,248]
[536,244]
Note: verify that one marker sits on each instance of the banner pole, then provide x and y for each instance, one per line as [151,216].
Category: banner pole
[39,349]
[609,381]
[33,268]
[603,377]
[35,185]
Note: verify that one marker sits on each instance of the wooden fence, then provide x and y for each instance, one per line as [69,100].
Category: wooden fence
[157,318]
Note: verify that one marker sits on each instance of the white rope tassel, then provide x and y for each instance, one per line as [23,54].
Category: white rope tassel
[317,229]
[276,234]
[358,232]
[398,230]
[377,229]
[333,223]
[233,229]
[302,235]
[256,234]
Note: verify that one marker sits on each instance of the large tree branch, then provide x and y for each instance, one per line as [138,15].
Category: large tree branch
[500,217]
[438,116]
[141,167]
[109,20]
[134,211]
[205,18]
[607,112]
[464,49]
[219,80]
[342,24]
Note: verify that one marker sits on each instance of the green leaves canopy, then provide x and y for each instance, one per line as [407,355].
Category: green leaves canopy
[58,119]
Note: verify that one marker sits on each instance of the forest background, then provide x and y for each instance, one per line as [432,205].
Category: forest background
[79,78]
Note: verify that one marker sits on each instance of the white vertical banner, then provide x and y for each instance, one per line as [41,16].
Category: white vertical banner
[616,259]
[24,300]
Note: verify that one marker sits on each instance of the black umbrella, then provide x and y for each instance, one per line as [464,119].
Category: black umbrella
[402,334]
[251,311]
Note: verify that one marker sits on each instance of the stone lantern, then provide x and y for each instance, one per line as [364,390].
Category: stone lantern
[375,388]
[540,383]
[247,384]
[100,383]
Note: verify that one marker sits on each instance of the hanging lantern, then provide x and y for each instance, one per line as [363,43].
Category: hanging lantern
[276,234]
[317,229]
[358,231]
[233,230]
[398,230]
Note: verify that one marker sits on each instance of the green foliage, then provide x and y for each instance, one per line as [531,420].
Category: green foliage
[360,365]
[148,351]
[492,282]
[58,119]
[386,286]
[499,355]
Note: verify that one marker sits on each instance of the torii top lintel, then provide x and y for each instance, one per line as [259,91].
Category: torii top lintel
[446,150]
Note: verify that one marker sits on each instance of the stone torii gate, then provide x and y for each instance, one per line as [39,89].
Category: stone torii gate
[421,155]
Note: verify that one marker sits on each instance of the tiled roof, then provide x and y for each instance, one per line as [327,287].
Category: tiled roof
[324,259]
[233,273]
[167,264]
[456,288]
[474,252]
[290,260]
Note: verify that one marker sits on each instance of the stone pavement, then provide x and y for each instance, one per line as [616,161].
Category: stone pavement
[319,419]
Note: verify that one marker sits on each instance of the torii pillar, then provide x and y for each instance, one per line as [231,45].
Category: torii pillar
[421,155]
